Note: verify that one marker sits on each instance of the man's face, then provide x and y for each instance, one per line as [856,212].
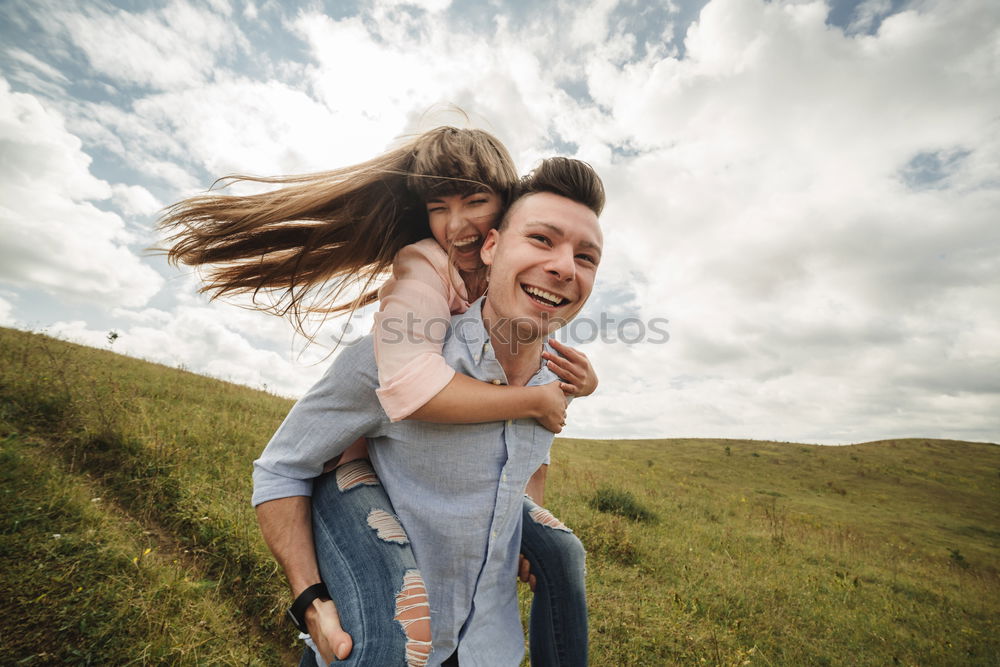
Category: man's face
[543,263]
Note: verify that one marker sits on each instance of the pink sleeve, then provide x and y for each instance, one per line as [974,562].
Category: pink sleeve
[414,312]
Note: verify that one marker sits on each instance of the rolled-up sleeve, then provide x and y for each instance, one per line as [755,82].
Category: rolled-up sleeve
[335,412]
[415,309]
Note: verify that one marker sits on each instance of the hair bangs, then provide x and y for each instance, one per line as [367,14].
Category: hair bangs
[449,161]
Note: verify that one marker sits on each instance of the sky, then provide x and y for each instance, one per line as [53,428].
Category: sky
[802,239]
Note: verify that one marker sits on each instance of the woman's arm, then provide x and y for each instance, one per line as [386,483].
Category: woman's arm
[468,401]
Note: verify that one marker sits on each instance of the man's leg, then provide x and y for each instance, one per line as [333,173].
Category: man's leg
[558,628]
[365,560]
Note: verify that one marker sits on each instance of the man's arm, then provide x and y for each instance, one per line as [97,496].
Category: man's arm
[338,409]
[287,529]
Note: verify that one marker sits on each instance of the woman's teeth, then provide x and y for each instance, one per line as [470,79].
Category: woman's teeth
[468,240]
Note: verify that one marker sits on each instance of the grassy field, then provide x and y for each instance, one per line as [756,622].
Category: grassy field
[126,536]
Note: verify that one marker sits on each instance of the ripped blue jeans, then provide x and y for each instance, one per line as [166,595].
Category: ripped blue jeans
[366,562]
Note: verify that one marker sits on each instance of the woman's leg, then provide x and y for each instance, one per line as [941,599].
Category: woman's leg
[366,562]
[558,628]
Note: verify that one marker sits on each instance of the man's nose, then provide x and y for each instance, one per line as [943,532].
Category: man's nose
[561,263]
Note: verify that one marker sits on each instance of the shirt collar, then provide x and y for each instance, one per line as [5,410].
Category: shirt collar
[470,329]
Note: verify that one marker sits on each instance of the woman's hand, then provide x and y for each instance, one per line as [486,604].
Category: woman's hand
[323,622]
[573,368]
[550,408]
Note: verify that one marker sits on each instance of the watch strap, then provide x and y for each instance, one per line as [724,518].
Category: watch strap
[297,612]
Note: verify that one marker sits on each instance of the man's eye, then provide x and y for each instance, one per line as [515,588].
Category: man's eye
[587,258]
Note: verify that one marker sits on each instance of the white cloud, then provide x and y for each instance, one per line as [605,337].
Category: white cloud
[6,313]
[867,13]
[53,236]
[134,200]
[427,5]
[812,210]
[48,71]
[169,47]
[220,341]
[807,285]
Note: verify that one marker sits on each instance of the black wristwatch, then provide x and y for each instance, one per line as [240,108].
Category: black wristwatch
[297,612]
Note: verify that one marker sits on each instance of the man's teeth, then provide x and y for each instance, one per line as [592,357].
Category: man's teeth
[552,299]
[468,240]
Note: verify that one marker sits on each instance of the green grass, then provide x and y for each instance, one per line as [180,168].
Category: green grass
[700,551]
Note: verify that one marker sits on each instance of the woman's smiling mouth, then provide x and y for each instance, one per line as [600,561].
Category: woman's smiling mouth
[467,244]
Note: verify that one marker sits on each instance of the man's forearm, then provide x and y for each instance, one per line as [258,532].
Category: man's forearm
[286,525]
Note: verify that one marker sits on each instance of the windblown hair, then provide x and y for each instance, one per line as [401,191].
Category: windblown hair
[567,177]
[310,244]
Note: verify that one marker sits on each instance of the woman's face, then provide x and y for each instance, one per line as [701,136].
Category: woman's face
[461,222]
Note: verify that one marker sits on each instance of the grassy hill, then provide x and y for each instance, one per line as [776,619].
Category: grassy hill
[126,535]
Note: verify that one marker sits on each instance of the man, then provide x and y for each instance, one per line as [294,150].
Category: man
[457,490]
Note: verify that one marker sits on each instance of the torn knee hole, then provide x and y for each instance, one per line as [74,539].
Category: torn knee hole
[387,527]
[414,614]
[355,473]
[542,516]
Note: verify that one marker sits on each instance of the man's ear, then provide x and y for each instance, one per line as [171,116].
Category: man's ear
[489,248]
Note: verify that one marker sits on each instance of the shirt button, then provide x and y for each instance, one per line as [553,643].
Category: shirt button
[495,381]
[510,422]
[504,477]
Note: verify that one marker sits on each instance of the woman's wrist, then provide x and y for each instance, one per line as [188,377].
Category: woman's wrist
[534,402]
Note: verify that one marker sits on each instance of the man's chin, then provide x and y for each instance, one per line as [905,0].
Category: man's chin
[540,325]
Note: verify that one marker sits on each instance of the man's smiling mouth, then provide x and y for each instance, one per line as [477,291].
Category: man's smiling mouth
[544,297]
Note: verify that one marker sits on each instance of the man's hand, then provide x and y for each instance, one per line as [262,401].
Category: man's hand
[550,409]
[524,572]
[286,526]
[573,368]
[323,622]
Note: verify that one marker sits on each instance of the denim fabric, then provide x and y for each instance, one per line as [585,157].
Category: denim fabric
[362,571]
[558,626]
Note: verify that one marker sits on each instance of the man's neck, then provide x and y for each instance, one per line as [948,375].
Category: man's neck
[519,358]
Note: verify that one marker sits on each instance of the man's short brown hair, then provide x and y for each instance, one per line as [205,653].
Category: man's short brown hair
[567,177]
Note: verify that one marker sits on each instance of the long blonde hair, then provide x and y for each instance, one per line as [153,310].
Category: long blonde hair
[305,243]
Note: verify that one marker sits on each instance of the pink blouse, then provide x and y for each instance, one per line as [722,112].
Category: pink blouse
[415,309]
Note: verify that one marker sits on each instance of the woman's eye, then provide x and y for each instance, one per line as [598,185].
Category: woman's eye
[539,237]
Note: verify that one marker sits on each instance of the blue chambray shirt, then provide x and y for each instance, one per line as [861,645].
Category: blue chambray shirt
[457,489]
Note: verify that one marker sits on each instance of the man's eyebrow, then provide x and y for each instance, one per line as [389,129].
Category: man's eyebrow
[558,231]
